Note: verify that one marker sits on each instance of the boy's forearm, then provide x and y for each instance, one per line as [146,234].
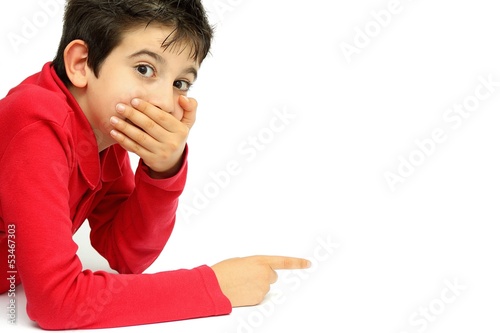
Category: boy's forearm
[133,235]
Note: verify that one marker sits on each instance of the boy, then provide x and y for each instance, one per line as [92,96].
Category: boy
[118,83]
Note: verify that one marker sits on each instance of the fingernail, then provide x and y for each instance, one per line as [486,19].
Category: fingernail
[135,102]
[185,98]
[120,108]
[114,120]
[308,264]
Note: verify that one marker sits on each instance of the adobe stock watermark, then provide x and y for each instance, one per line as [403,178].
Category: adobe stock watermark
[32,24]
[220,8]
[247,151]
[363,36]
[423,318]
[89,310]
[11,274]
[323,251]
[453,119]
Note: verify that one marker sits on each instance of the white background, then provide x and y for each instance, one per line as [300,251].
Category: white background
[321,177]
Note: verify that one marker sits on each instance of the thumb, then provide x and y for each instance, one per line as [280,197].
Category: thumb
[189,105]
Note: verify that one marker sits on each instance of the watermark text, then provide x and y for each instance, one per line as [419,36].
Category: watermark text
[453,118]
[11,273]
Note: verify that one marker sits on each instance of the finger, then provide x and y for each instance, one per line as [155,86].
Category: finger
[132,128]
[273,276]
[130,145]
[137,118]
[280,262]
[189,105]
[155,121]
[135,132]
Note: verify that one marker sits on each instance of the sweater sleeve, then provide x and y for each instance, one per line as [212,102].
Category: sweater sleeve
[134,215]
[60,295]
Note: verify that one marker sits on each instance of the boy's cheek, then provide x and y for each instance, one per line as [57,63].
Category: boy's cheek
[129,94]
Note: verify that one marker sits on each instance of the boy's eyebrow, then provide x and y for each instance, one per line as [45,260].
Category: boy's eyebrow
[152,54]
[160,59]
[191,70]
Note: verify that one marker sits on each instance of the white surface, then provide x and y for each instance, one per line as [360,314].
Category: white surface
[322,175]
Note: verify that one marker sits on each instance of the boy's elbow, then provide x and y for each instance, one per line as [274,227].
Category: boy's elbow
[52,323]
[49,315]
[51,319]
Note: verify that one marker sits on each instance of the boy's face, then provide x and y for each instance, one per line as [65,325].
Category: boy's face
[139,68]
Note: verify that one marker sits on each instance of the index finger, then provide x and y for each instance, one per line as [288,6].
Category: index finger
[154,116]
[281,262]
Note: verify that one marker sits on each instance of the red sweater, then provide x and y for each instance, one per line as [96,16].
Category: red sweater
[52,178]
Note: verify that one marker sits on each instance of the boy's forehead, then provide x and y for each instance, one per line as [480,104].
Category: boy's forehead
[153,37]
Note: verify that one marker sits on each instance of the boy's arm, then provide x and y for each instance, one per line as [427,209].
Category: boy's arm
[133,221]
[35,199]
[135,214]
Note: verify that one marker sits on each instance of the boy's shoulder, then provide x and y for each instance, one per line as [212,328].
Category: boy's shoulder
[39,108]
[39,97]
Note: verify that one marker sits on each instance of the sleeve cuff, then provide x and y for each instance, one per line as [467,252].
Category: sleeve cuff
[176,182]
[222,305]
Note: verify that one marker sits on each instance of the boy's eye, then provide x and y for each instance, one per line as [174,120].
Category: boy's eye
[182,85]
[145,70]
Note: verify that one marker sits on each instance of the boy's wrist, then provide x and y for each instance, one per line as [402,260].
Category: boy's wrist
[174,170]
[166,174]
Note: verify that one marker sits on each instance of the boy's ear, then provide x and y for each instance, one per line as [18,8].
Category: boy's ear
[75,62]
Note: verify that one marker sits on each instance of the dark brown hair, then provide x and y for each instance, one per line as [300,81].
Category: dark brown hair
[102,23]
